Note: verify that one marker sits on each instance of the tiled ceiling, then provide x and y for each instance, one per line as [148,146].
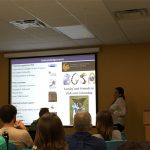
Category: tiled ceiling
[98,16]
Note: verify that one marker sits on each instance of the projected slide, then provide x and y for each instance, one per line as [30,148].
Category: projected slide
[64,84]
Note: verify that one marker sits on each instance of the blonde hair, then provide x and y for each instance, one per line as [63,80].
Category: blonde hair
[104,124]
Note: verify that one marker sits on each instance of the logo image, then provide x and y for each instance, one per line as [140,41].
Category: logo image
[65,66]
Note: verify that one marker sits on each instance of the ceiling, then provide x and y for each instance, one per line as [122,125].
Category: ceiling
[98,16]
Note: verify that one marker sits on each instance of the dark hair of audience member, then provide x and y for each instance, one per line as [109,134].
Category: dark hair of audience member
[7,113]
[50,133]
[104,124]
[135,145]
[43,111]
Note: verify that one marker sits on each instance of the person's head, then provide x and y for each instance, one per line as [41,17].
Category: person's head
[82,121]
[104,124]
[8,113]
[50,133]
[130,145]
[43,111]
[119,92]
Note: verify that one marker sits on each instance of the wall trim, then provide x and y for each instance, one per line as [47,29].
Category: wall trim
[51,52]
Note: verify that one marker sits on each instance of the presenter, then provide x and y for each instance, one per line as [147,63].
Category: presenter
[118,108]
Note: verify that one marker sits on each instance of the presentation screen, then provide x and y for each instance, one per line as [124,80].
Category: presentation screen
[64,84]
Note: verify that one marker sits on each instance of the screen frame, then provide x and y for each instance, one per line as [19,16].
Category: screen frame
[96,77]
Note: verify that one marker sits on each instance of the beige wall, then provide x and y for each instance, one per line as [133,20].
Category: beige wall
[121,65]
[4,80]
[127,66]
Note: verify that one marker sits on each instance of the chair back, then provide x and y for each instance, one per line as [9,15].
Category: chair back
[113,144]
[3,145]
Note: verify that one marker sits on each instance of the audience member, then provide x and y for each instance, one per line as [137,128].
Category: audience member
[130,145]
[118,108]
[33,126]
[104,126]
[50,133]
[82,139]
[16,130]
[34,123]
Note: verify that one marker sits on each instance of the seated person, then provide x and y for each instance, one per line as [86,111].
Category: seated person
[82,139]
[137,145]
[16,130]
[50,134]
[34,123]
[104,126]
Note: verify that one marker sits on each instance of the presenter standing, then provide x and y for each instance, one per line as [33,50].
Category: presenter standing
[118,108]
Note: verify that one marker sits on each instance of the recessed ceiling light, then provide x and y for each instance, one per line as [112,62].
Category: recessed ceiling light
[75,32]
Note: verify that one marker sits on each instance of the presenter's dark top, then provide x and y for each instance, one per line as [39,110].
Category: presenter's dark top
[85,141]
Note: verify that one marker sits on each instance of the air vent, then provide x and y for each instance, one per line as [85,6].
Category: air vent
[25,24]
[131,14]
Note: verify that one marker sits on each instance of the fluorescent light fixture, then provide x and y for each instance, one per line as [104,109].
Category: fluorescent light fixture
[75,32]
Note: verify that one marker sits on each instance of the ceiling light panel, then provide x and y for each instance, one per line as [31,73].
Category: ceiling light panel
[75,32]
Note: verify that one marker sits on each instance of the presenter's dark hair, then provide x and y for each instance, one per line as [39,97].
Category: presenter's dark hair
[50,133]
[7,113]
[120,91]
